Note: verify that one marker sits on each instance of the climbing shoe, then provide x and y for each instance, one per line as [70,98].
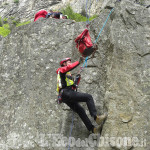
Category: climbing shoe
[100,119]
[96,129]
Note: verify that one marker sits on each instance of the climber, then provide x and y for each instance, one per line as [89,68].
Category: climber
[52,14]
[41,13]
[64,17]
[68,95]
[49,14]
[56,15]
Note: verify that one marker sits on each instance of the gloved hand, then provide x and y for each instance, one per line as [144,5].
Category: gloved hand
[78,75]
[81,60]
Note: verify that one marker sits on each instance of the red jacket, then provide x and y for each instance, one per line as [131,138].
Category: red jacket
[64,70]
[41,13]
[70,67]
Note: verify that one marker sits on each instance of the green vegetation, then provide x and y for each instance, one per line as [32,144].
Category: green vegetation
[16,1]
[15,22]
[75,16]
[7,24]
[4,30]
[1,23]
[142,1]
[5,20]
[23,23]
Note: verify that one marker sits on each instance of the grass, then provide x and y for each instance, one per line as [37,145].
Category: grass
[4,30]
[75,16]
[23,23]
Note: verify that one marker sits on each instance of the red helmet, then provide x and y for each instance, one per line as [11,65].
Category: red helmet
[64,60]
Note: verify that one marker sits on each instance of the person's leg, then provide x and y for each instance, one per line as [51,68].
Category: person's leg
[82,114]
[73,96]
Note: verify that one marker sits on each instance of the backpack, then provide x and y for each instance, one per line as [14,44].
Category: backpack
[84,43]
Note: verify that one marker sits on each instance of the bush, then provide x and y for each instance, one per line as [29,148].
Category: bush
[75,16]
[4,30]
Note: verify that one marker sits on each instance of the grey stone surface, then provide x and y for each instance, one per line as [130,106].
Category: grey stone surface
[25,10]
[118,78]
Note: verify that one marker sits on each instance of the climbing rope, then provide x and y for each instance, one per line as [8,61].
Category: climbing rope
[88,14]
[103,26]
[86,59]
[85,62]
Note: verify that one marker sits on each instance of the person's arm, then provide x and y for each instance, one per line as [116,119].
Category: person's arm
[48,15]
[69,67]
[77,79]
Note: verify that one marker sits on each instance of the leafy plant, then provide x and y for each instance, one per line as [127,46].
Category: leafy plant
[75,16]
[4,30]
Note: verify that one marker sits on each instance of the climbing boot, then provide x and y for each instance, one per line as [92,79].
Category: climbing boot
[96,129]
[100,119]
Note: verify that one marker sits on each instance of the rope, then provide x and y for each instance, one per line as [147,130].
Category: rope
[85,62]
[104,25]
[71,130]
[88,14]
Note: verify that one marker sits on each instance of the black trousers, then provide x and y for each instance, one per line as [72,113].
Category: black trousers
[72,99]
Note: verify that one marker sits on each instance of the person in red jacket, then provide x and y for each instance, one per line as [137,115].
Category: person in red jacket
[66,88]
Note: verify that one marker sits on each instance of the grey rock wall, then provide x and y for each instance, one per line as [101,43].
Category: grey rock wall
[25,10]
[118,79]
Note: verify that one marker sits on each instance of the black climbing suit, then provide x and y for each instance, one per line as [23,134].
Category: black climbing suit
[72,99]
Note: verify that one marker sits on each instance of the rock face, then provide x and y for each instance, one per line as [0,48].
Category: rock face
[118,78]
[25,10]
